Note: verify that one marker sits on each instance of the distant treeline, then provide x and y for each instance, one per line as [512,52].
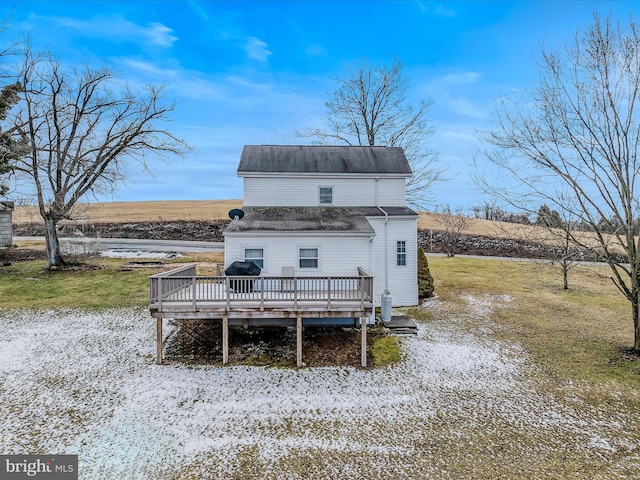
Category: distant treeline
[549,218]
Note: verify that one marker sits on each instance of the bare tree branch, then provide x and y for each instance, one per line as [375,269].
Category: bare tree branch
[81,129]
[370,108]
[573,142]
[454,223]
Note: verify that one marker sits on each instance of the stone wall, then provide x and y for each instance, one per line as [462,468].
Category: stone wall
[212,231]
[496,247]
[204,231]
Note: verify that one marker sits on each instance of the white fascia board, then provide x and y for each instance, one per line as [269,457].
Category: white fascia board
[322,175]
[393,217]
[306,233]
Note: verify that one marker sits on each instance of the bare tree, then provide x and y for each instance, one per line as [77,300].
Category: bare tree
[556,230]
[454,224]
[370,107]
[578,131]
[79,130]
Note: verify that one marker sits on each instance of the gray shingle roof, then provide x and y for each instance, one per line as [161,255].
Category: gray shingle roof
[311,219]
[323,159]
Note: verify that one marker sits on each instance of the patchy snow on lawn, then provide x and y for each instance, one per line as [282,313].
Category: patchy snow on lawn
[77,382]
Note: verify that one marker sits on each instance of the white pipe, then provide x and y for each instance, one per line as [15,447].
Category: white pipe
[386,243]
[386,251]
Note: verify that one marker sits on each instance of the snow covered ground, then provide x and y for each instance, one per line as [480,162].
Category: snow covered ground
[81,382]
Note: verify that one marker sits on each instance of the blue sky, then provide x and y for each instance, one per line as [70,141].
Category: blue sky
[254,72]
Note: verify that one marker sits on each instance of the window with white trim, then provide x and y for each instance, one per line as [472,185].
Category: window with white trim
[401,253]
[308,258]
[326,195]
[255,255]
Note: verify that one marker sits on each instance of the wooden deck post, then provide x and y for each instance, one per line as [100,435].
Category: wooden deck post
[363,327]
[159,340]
[225,340]
[299,341]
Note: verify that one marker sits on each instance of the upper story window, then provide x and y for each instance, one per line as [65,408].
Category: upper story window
[308,258]
[326,195]
[401,253]
[255,255]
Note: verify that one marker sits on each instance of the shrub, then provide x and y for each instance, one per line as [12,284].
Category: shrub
[425,280]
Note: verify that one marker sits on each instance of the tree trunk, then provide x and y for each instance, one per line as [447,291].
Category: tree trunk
[635,305]
[565,276]
[53,245]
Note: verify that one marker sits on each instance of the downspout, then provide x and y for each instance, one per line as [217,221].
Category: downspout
[386,251]
[386,245]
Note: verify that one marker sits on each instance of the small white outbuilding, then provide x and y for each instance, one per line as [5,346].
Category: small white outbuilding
[6,227]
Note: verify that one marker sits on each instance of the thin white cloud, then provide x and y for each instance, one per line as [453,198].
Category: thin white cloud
[198,9]
[462,106]
[443,11]
[437,8]
[159,34]
[256,49]
[458,132]
[457,92]
[462,77]
[112,27]
[148,68]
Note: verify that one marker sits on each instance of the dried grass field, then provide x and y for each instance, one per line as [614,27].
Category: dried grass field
[156,211]
[187,210]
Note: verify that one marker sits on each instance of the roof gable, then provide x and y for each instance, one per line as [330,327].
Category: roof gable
[323,159]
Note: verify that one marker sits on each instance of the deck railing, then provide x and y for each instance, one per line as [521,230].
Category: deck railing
[182,285]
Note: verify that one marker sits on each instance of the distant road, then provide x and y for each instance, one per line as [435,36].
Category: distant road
[135,245]
[184,246]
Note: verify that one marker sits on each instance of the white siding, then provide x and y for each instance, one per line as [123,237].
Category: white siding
[402,280]
[337,255]
[342,255]
[305,191]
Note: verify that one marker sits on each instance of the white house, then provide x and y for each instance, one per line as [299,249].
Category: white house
[327,210]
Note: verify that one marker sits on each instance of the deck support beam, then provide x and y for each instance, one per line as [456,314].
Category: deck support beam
[159,341]
[299,342]
[225,339]
[363,353]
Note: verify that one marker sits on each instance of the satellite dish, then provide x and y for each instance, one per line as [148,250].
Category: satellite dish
[236,214]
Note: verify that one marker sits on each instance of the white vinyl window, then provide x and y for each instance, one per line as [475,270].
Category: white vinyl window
[308,258]
[255,255]
[401,253]
[326,195]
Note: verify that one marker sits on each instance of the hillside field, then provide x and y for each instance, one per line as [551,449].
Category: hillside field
[188,210]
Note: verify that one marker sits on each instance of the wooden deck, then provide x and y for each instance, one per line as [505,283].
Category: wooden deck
[265,301]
